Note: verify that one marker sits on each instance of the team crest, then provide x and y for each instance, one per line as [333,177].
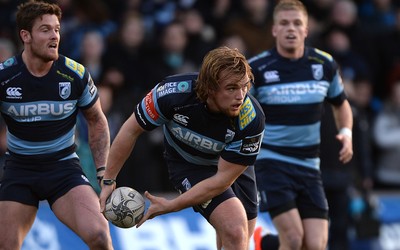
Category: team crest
[317,71]
[64,89]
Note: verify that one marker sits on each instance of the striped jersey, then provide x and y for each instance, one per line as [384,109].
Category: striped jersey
[193,133]
[291,93]
[40,112]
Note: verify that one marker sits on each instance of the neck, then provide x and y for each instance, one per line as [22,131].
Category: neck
[291,54]
[36,66]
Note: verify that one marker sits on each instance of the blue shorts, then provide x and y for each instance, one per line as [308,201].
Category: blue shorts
[283,186]
[33,182]
[184,175]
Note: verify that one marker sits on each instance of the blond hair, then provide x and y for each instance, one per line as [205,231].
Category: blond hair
[283,5]
[222,59]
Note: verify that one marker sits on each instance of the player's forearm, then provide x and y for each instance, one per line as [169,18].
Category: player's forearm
[200,193]
[343,116]
[122,147]
[99,141]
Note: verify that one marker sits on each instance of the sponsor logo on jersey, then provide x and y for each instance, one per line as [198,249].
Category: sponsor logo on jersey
[186,184]
[7,63]
[75,67]
[150,106]
[92,87]
[35,111]
[229,135]
[67,77]
[196,141]
[173,87]
[182,119]
[14,93]
[271,76]
[247,113]
[251,145]
[317,71]
[64,89]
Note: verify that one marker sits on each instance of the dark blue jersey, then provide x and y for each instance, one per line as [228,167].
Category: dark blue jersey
[291,93]
[196,134]
[40,112]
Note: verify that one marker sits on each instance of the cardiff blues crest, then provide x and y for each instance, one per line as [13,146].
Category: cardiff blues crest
[64,89]
[317,71]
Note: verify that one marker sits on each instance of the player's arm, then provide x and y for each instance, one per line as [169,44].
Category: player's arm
[121,148]
[201,192]
[344,122]
[99,134]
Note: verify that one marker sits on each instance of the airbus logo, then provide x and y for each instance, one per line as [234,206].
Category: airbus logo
[14,93]
[182,119]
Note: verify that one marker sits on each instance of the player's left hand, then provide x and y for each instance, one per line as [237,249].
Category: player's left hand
[158,206]
[346,153]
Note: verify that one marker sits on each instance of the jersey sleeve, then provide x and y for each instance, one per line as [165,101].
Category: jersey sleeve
[89,95]
[149,112]
[244,149]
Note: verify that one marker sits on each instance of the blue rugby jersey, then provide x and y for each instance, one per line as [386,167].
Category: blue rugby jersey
[291,93]
[40,112]
[193,133]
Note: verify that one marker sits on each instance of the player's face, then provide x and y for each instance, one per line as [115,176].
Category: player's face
[228,99]
[290,30]
[44,39]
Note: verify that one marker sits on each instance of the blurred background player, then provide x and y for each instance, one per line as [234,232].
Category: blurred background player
[291,83]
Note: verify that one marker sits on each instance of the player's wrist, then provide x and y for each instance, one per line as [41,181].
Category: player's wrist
[346,132]
[108,182]
[100,173]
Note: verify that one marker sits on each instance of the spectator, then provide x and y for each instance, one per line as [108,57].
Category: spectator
[124,67]
[386,134]
[92,49]
[7,49]
[201,37]
[254,25]
[169,56]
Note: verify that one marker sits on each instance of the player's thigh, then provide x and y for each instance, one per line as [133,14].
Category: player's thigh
[16,219]
[229,216]
[79,209]
[289,224]
[315,233]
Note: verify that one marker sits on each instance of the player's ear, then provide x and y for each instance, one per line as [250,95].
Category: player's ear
[25,36]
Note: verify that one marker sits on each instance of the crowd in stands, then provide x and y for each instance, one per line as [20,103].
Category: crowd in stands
[130,45]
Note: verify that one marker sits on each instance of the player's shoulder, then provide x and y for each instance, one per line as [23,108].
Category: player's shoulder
[10,65]
[261,57]
[175,85]
[251,113]
[318,54]
[71,66]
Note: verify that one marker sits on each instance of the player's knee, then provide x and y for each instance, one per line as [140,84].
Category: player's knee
[100,240]
[292,241]
[317,243]
[236,235]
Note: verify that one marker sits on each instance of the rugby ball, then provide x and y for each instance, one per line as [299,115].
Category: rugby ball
[124,207]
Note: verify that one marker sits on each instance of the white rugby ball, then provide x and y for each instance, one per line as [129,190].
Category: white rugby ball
[124,207]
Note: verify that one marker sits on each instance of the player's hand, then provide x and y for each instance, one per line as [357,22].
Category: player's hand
[346,153]
[158,206]
[106,191]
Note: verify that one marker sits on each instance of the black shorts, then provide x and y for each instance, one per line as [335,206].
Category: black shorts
[283,186]
[184,175]
[33,182]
